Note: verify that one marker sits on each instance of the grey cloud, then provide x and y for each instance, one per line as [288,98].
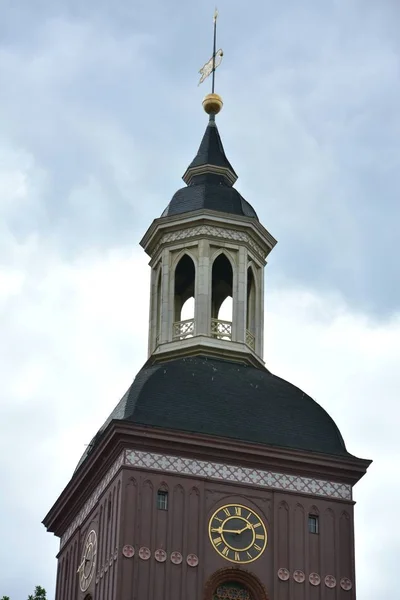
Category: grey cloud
[100,115]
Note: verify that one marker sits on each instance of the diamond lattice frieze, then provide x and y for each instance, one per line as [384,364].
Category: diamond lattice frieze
[225,472]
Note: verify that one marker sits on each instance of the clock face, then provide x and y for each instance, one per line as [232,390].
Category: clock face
[237,533]
[88,560]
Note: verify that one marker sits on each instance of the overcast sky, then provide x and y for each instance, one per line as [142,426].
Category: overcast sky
[100,114]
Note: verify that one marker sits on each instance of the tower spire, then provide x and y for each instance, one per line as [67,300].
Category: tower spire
[212,103]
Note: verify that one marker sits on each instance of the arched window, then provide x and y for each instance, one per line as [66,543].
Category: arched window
[221,298]
[185,274]
[251,309]
[232,589]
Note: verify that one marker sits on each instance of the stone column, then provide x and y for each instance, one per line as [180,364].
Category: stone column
[166,303]
[152,312]
[202,312]
[260,313]
[240,303]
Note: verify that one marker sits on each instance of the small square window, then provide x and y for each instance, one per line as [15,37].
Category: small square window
[162,500]
[313,524]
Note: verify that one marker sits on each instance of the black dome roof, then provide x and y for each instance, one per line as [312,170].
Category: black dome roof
[209,192]
[231,400]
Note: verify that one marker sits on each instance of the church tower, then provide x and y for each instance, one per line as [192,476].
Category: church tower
[212,478]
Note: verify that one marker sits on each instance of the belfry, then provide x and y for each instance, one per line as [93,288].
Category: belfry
[212,478]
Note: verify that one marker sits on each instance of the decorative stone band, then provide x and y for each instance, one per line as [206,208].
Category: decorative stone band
[210,470]
[218,232]
[89,505]
[235,474]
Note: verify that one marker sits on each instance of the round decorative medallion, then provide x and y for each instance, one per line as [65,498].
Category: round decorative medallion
[144,553]
[160,555]
[314,579]
[345,583]
[128,551]
[299,576]
[283,574]
[176,558]
[330,581]
[192,560]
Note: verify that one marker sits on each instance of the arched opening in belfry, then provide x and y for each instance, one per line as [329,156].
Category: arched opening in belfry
[158,308]
[251,309]
[185,275]
[232,590]
[221,298]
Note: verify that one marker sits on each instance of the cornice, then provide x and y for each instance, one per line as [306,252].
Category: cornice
[176,225]
[120,436]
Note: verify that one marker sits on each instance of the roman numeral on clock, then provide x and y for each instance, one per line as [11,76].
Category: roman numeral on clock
[237,556]
[217,541]
[226,511]
[225,551]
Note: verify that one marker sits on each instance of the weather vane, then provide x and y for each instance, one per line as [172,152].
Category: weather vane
[214,61]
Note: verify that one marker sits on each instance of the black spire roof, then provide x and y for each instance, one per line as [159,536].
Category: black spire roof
[210,157]
[209,178]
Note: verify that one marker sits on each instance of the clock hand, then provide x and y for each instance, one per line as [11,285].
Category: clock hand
[81,566]
[248,526]
[222,530]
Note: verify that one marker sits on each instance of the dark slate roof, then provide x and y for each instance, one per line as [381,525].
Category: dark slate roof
[210,178]
[231,400]
[211,150]
[211,193]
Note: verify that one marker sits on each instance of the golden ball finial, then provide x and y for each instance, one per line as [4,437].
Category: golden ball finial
[212,104]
